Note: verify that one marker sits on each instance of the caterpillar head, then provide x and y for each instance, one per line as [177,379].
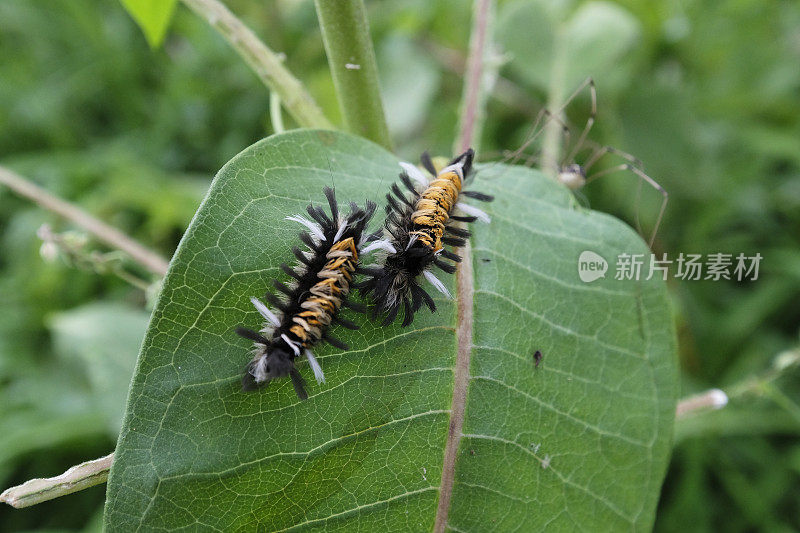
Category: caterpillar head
[271,361]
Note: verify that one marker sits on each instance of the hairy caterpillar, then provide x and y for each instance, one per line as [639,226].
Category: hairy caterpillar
[420,224]
[322,282]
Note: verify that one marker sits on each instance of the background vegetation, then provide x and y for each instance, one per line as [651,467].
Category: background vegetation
[708,96]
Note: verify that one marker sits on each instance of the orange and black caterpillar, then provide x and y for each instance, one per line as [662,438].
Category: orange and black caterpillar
[322,282]
[420,225]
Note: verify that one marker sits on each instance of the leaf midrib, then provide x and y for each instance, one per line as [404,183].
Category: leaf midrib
[464,295]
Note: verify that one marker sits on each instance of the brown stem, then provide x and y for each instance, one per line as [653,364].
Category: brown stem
[102,231]
[470,113]
[471,107]
[505,91]
[708,400]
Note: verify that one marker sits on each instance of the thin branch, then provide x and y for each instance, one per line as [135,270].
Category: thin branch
[782,400]
[275,113]
[267,65]
[708,400]
[71,248]
[505,91]
[764,384]
[475,86]
[781,364]
[77,478]
[760,385]
[351,58]
[102,231]
[551,144]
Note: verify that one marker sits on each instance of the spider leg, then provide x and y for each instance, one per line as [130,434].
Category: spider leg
[650,181]
[601,151]
[589,122]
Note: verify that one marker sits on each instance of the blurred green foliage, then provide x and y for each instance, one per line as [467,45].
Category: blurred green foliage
[707,95]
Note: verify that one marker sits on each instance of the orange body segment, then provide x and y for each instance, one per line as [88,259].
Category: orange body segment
[327,295]
[433,209]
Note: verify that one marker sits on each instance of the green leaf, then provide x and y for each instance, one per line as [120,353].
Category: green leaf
[599,37]
[527,31]
[152,16]
[410,81]
[105,337]
[582,441]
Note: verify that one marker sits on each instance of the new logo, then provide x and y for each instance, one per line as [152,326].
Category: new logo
[591,266]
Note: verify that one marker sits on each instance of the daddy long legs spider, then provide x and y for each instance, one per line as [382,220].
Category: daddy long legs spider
[575,174]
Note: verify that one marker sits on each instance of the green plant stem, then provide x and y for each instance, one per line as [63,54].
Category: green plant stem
[275,114]
[77,478]
[351,58]
[782,364]
[102,231]
[782,400]
[267,65]
[131,279]
[75,255]
[551,144]
[762,385]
